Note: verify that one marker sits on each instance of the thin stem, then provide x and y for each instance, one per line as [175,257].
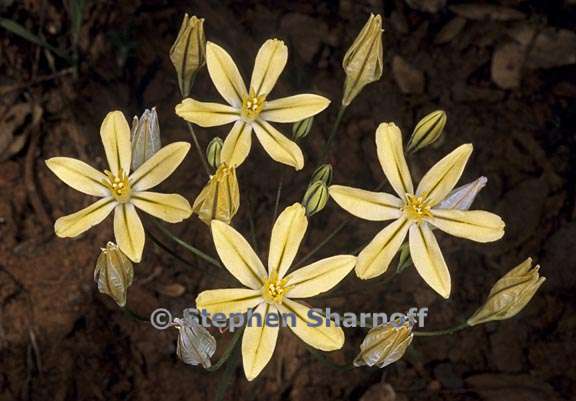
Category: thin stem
[451,330]
[332,234]
[328,362]
[333,132]
[228,352]
[278,193]
[198,149]
[363,287]
[228,375]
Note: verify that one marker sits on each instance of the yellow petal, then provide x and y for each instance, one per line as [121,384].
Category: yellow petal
[294,108]
[428,259]
[476,225]
[237,144]
[287,234]
[258,343]
[238,256]
[225,75]
[270,61]
[129,231]
[280,148]
[320,276]
[314,333]
[206,114]
[79,175]
[229,300]
[115,134]
[391,157]
[443,176]
[172,208]
[368,205]
[157,168]
[75,224]
[376,257]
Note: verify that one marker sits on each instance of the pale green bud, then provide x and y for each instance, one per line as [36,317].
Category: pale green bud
[188,53]
[114,273]
[322,173]
[427,131]
[315,198]
[302,128]
[145,134]
[213,151]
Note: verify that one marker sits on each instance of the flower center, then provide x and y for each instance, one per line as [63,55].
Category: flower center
[416,207]
[252,105]
[274,289]
[119,185]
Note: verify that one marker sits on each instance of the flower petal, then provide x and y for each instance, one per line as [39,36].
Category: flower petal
[428,259]
[237,144]
[225,75]
[157,168]
[79,175]
[376,257]
[443,176]
[229,300]
[172,208]
[238,256]
[75,224]
[206,114]
[115,134]
[476,225]
[310,330]
[280,148]
[269,64]
[368,205]
[320,276]
[287,234]
[259,342]
[391,157]
[294,108]
[129,231]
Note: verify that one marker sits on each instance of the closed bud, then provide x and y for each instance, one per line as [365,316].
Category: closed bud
[363,61]
[213,152]
[510,294]
[114,273]
[195,343]
[322,173]
[220,198]
[188,53]
[315,198]
[462,197]
[145,134]
[302,128]
[427,131]
[385,344]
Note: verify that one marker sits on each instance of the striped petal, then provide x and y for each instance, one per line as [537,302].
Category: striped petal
[206,114]
[172,208]
[320,276]
[229,300]
[476,225]
[79,175]
[391,157]
[259,342]
[280,148]
[115,135]
[368,205]
[287,234]
[375,259]
[238,256]
[443,176]
[75,224]
[428,259]
[269,64]
[237,144]
[129,231]
[294,108]
[156,169]
[225,75]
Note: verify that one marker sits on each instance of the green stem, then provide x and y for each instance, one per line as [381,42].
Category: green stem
[228,352]
[134,315]
[319,356]
[333,132]
[278,193]
[322,243]
[228,375]
[451,330]
[199,149]
[362,287]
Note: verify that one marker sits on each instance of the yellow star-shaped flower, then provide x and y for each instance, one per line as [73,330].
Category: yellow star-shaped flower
[415,212]
[121,191]
[272,291]
[250,109]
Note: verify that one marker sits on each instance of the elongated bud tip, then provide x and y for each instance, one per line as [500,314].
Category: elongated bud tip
[188,53]
[213,151]
[302,128]
[322,173]
[315,198]
[145,137]
[427,131]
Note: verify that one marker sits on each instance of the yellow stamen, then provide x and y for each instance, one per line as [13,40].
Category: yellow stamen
[274,289]
[119,185]
[416,207]
[252,105]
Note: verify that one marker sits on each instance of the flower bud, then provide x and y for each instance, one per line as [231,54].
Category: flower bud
[220,198]
[463,196]
[427,131]
[213,151]
[315,198]
[195,344]
[302,128]
[363,61]
[114,273]
[322,173]
[145,134]
[510,294]
[188,53]
[385,344]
